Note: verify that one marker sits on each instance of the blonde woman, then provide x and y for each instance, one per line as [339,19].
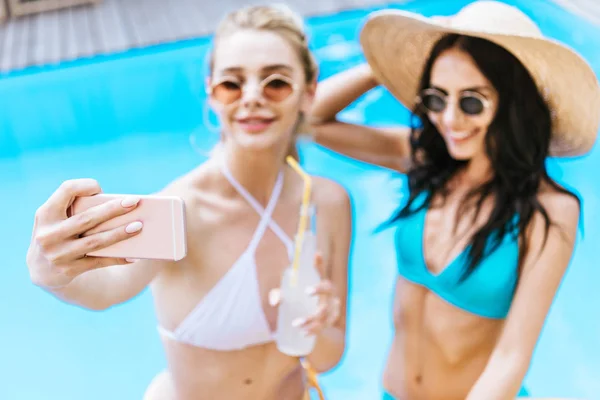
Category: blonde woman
[242,205]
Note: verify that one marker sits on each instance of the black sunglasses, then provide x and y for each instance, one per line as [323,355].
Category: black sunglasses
[470,103]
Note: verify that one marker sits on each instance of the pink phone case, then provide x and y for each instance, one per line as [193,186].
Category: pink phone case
[163,236]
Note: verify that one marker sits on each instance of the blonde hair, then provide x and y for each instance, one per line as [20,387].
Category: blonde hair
[281,20]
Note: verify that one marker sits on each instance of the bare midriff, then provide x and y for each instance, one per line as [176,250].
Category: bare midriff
[259,372]
[438,350]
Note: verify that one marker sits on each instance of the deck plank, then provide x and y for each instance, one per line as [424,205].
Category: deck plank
[50,34]
[19,46]
[69,29]
[37,46]
[113,27]
[84,33]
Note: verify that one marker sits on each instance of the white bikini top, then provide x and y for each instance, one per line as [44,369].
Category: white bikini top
[230,316]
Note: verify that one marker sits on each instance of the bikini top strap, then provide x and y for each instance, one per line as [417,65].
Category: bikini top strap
[264,213]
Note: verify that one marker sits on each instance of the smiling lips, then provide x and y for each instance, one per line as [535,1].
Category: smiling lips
[254,124]
[461,137]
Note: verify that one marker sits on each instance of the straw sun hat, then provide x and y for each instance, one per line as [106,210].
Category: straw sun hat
[397,44]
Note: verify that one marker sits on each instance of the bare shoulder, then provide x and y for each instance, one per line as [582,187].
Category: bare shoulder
[563,208]
[194,188]
[188,183]
[333,207]
[330,194]
[563,211]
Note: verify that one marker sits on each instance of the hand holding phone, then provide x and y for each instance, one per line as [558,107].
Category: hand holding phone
[79,229]
[163,234]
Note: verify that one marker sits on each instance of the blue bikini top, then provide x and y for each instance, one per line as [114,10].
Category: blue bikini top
[488,291]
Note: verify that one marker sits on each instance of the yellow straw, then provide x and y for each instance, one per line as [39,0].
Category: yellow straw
[303,213]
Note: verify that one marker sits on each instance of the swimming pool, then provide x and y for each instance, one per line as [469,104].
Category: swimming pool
[127,120]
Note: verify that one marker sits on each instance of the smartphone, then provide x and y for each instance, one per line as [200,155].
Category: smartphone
[163,235]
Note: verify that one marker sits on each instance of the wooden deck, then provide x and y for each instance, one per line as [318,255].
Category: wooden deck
[117,25]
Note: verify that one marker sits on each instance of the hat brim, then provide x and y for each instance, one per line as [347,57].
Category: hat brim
[397,45]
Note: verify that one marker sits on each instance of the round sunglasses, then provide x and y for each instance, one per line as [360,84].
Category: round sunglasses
[470,103]
[275,88]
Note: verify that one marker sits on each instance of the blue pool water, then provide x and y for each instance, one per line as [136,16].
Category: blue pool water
[127,120]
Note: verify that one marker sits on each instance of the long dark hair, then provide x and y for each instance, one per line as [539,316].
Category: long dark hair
[517,144]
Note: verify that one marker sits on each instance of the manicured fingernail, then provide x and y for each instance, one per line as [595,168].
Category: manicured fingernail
[130,201]
[133,227]
[297,322]
[310,290]
[131,260]
[274,297]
